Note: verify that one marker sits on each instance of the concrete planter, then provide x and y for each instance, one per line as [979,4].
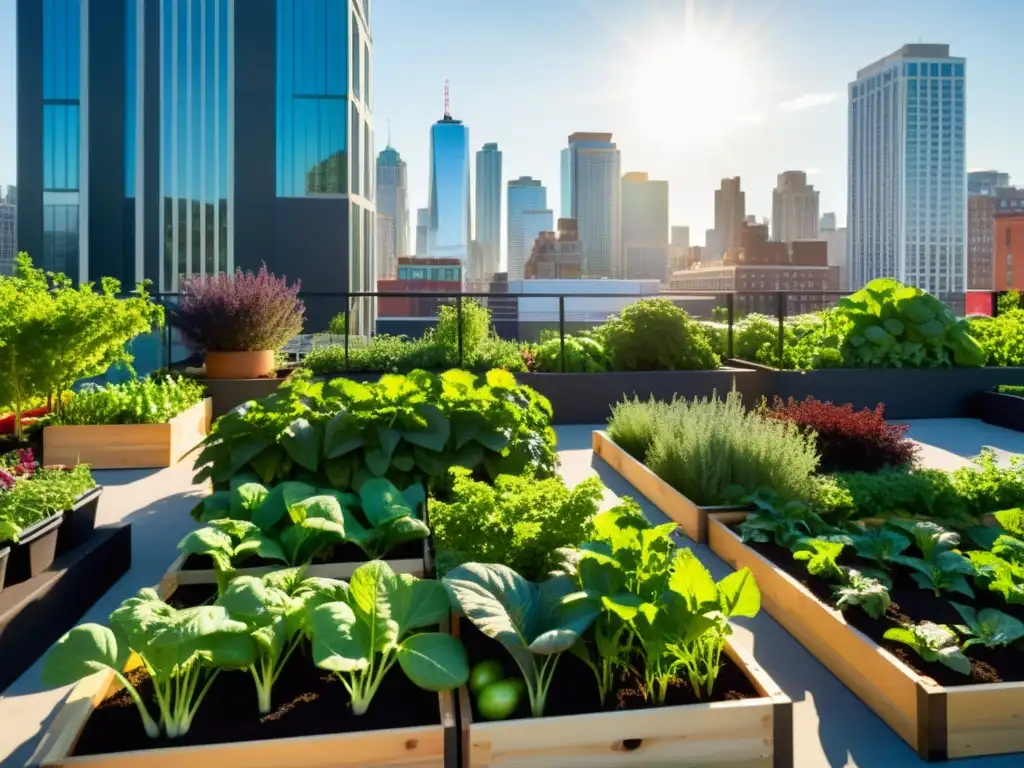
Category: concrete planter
[230,393]
[999,409]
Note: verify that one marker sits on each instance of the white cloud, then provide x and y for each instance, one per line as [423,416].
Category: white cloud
[813,171]
[808,101]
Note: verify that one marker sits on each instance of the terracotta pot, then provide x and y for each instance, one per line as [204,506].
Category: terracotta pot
[239,365]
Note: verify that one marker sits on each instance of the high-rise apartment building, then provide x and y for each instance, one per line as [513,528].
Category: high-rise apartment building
[392,203]
[907,198]
[591,188]
[1008,237]
[985,182]
[131,161]
[835,243]
[828,221]
[528,216]
[730,215]
[448,232]
[982,210]
[644,227]
[556,255]
[794,208]
[679,249]
[8,229]
[422,227]
[488,213]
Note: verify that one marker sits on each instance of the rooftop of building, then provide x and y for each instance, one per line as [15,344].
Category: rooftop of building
[909,51]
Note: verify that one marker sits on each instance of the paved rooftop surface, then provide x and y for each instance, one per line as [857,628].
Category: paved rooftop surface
[832,727]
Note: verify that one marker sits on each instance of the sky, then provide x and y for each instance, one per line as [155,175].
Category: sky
[692,90]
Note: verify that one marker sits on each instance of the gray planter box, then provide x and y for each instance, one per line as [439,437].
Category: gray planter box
[230,393]
[999,409]
[908,393]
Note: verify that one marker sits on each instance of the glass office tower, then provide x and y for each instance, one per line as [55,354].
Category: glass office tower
[448,232]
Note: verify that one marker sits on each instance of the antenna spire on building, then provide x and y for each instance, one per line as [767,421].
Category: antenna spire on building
[389,132]
[447,106]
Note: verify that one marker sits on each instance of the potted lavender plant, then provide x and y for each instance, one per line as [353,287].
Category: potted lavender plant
[239,320]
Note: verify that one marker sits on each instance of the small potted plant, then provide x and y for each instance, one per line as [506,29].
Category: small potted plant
[239,320]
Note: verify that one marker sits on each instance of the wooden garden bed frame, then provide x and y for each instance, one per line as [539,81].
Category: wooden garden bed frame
[940,722]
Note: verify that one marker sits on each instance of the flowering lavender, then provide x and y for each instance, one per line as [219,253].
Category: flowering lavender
[239,313]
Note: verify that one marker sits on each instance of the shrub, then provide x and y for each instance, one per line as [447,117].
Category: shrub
[583,354]
[518,521]
[337,325]
[848,440]
[655,335]
[714,451]
[1011,389]
[138,401]
[1002,337]
[634,422]
[239,313]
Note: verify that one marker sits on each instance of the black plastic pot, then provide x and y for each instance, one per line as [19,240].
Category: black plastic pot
[35,550]
[79,521]
[4,552]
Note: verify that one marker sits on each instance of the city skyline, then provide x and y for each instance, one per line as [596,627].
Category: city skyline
[797,113]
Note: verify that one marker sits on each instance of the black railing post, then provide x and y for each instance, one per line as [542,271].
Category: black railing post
[348,317]
[730,305]
[561,329]
[782,326]
[458,311]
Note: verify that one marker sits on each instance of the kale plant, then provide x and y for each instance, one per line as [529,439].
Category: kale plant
[932,642]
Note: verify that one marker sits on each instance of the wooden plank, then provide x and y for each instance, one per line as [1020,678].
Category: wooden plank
[127,446]
[985,719]
[175,575]
[879,679]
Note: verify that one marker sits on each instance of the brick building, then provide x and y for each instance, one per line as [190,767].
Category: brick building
[556,254]
[1008,237]
[420,276]
[981,213]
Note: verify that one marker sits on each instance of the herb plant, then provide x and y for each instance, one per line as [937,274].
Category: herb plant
[932,642]
[137,401]
[820,556]
[362,635]
[30,499]
[988,627]
[863,591]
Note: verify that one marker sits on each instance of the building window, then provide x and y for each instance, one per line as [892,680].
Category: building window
[356,50]
[312,90]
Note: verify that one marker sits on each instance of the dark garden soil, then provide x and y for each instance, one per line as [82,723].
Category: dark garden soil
[573,690]
[306,702]
[342,553]
[912,605]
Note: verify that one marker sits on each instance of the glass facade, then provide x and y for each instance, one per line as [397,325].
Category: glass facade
[195,166]
[448,233]
[62,74]
[312,89]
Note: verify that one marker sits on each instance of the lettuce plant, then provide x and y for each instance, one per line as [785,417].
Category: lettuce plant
[362,634]
[932,642]
[536,622]
[988,627]
[880,545]
[862,590]
[181,650]
[820,555]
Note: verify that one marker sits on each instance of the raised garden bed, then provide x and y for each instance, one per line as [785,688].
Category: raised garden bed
[313,728]
[79,522]
[748,724]
[34,551]
[908,393]
[939,721]
[691,518]
[35,613]
[129,446]
[1000,409]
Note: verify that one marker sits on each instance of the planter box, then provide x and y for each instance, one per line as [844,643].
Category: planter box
[228,394]
[430,746]
[692,518]
[939,722]
[129,446]
[35,613]
[750,733]
[587,398]
[999,409]
[34,551]
[908,393]
[79,521]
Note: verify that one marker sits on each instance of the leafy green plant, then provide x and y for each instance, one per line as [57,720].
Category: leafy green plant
[787,524]
[181,650]
[820,556]
[930,538]
[1002,337]
[654,335]
[518,521]
[361,635]
[861,590]
[880,545]
[583,354]
[990,485]
[1011,389]
[535,622]
[943,571]
[634,423]
[408,429]
[47,491]
[999,575]
[932,642]
[137,401]
[988,627]
[338,325]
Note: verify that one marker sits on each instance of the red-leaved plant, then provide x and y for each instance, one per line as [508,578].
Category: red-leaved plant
[849,440]
[244,312]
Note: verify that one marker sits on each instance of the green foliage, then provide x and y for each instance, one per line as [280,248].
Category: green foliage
[137,401]
[880,545]
[988,627]
[820,555]
[1001,337]
[583,354]
[635,422]
[942,572]
[1009,301]
[713,450]
[360,634]
[932,642]
[407,429]
[35,498]
[787,524]
[1011,389]
[52,334]
[518,521]
[337,326]
[656,335]
[860,590]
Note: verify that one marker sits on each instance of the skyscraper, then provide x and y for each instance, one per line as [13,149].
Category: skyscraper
[448,233]
[835,242]
[985,182]
[393,202]
[730,214]
[907,216]
[679,249]
[591,188]
[422,227]
[175,185]
[8,229]
[528,215]
[644,227]
[828,221]
[488,213]
[794,208]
